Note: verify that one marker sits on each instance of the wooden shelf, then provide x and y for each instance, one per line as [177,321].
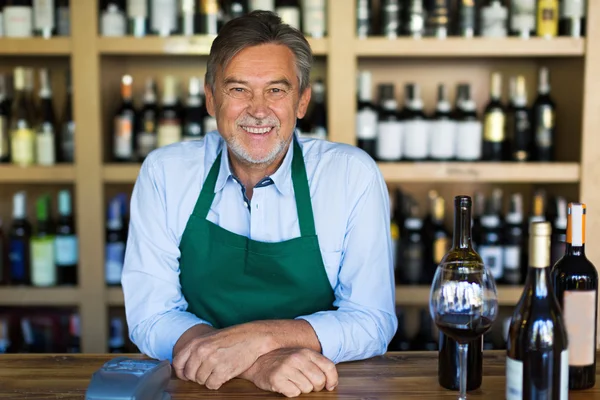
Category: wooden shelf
[121,173]
[182,45]
[37,174]
[33,296]
[476,47]
[59,46]
[114,296]
[419,295]
[480,172]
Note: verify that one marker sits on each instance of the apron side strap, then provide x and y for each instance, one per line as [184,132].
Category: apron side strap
[302,192]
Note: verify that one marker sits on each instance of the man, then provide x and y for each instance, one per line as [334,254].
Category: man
[253,253]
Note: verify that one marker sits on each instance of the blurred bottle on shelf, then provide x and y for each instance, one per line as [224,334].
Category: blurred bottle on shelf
[66,242]
[19,238]
[43,267]
[116,238]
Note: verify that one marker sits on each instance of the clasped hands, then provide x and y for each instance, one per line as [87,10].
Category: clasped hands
[253,352]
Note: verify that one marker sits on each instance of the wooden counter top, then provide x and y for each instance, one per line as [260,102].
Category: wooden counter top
[393,376]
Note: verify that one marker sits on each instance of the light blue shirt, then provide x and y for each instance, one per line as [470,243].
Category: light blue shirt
[351,210]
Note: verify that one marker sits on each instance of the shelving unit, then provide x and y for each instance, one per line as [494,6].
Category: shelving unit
[96,62]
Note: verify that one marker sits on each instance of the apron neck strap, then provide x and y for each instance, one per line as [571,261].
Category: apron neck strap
[299,180]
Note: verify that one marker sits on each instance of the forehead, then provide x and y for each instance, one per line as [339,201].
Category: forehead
[264,62]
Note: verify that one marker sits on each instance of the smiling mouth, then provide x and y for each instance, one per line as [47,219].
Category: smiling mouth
[258,130]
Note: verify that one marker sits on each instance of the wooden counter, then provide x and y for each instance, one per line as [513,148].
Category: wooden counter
[394,376]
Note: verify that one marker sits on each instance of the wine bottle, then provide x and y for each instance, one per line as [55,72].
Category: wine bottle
[44,20]
[466,23]
[193,111]
[116,342]
[66,145]
[19,238]
[265,5]
[1,18]
[366,116]
[390,18]
[572,18]
[576,286]
[289,12]
[18,18]
[448,360]
[519,122]
[66,244]
[494,18]
[22,123]
[187,17]
[3,256]
[416,127]
[494,136]
[137,18]
[437,239]
[438,19]
[522,18]
[490,247]
[559,230]
[317,122]
[43,268]
[74,344]
[442,141]
[147,126]
[363,19]
[469,129]
[314,18]
[116,237]
[46,133]
[4,336]
[537,349]
[113,21]
[125,123]
[208,23]
[544,110]
[163,17]
[414,20]
[478,212]
[513,241]
[547,18]
[410,265]
[4,119]
[389,126]
[169,121]
[63,23]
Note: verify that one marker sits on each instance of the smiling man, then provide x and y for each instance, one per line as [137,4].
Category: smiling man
[254,253]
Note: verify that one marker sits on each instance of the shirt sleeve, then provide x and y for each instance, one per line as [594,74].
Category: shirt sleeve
[154,305]
[365,321]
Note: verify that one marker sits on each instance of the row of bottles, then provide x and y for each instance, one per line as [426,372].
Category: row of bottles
[139,130]
[45,253]
[551,340]
[516,132]
[191,17]
[468,18]
[49,330]
[29,131]
[27,18]
[499,234]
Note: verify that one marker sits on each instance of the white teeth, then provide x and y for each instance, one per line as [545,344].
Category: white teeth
[256,130]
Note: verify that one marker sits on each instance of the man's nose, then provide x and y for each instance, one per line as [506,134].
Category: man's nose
[258,107]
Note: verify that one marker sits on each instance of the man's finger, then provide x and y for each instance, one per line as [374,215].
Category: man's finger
[286,388]
[179,364]
[301,381]
[191,368]
[328,368]
[315,375]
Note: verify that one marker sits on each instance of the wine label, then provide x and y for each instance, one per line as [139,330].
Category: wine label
[366,124]
[543,134]
[113,24]
[66,250]
[163,16]
[123,146]
[442,139]
[45,151]
[115,256]
[314,18]
[416,139]
[389,140]
[43,272]
[43,14]
[23,147]
[468,140]
[522,15]
[492,259]
[547,18]
[146,143]
[16,257]
[514,379]
[512,257]
[579,310]
[290,16]
[169,133]
[18,21]
[137,9]
[572,8]
[495,125]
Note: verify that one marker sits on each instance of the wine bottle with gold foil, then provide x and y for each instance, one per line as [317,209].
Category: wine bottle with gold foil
[547,18]
[22,133]
[437,238]
[494,128]
[576,286]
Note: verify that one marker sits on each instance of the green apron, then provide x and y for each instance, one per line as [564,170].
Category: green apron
[228,279]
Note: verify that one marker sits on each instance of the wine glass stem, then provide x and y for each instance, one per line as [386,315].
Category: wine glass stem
[462,370]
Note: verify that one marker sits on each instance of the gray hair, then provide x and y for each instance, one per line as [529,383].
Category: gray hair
[256,28]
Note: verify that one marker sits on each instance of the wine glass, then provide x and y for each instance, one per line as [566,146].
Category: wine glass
[463,304]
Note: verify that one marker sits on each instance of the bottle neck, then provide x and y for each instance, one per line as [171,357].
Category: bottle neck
[577,251]
[462,228]
[538,279]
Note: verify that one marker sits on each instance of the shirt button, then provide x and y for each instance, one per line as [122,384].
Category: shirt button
[246,204]
[257,206]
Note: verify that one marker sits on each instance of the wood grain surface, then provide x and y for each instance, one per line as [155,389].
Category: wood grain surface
[393,376]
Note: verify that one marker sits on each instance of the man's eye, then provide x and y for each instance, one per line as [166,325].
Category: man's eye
[238,89]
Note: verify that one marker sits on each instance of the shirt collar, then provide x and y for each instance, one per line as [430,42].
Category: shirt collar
[282,178]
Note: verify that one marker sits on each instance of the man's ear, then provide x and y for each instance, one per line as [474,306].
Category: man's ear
[303,102]
[210,99]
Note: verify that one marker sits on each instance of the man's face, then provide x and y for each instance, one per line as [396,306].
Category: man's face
[256,102]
